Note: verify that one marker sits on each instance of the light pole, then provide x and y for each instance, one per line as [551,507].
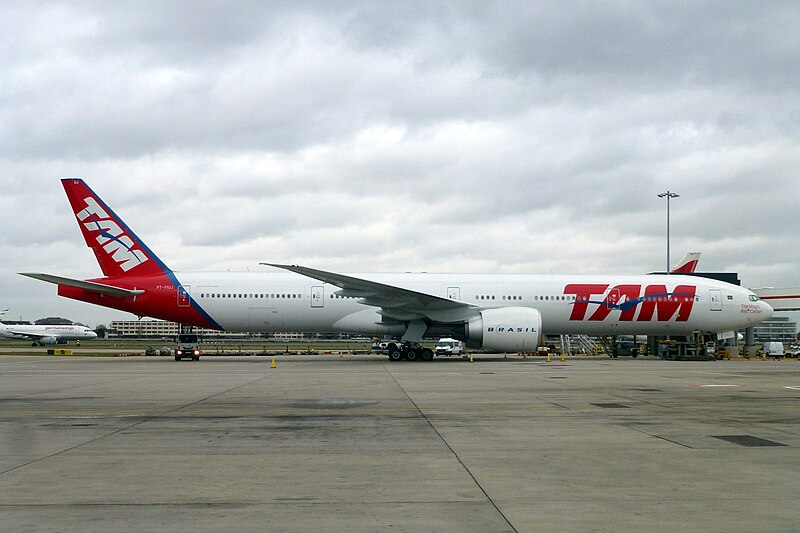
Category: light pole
[668,195]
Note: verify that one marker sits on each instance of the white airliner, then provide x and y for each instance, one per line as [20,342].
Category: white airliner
[42,335]
[503,312]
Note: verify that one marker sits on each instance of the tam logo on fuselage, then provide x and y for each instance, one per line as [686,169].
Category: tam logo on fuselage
[110,235]
[656,301]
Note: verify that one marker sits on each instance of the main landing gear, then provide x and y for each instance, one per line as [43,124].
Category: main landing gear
[410,350]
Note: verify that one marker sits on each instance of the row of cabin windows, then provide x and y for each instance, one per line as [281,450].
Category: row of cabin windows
[519,298]
[567,298]
[644,298]
[249,295]
[572,298]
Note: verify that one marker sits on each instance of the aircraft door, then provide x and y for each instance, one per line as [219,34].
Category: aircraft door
[614,297]
[454,293]
[715,299]
[184,299]
[317,296]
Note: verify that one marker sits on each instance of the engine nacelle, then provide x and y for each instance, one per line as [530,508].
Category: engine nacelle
[509,329]
[47,340]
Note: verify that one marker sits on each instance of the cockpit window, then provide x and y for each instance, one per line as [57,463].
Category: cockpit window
[754,298]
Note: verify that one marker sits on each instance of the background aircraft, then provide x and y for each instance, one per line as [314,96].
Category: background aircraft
[688,264]
[503,312]
[43,335]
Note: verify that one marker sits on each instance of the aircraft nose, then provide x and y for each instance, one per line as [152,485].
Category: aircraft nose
[766,309]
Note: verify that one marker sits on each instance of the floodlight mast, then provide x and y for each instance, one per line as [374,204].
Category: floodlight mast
[668,195]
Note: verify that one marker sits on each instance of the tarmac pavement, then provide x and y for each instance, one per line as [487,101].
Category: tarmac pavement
[357,443]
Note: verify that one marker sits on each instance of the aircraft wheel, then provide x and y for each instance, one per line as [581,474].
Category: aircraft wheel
[426,355]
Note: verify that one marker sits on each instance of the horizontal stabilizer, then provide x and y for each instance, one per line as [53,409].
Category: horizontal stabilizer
[86,285]
[780,298]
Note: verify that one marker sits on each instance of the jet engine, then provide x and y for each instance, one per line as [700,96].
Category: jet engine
[509,329]
[46,340]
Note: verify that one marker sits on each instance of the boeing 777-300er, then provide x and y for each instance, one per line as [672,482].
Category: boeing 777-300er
[502,312]
[41,335]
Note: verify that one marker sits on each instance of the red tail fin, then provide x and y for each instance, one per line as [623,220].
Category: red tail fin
[688,264]
[118,250]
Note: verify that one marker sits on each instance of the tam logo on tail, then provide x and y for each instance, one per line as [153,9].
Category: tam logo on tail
[110,236]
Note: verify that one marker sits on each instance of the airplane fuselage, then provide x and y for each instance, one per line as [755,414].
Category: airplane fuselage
[52,334]
[569,304]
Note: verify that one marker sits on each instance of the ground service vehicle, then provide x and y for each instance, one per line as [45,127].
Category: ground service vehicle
[188,346]
[772,349]
[448,346]
[380,347]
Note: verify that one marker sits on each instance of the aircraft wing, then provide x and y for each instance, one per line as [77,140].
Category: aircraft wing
[86,285]
[395,302]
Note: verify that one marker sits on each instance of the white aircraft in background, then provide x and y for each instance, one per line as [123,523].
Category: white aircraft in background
[43,335]
[502,312]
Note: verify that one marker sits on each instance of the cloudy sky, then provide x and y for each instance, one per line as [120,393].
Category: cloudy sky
[383,136]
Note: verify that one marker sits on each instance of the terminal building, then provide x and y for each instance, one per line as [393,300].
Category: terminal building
[777,329]
[161,329]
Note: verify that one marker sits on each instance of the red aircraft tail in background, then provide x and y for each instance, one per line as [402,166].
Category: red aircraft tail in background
[688,264]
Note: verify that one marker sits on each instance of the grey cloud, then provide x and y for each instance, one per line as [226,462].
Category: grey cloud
[494,136]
